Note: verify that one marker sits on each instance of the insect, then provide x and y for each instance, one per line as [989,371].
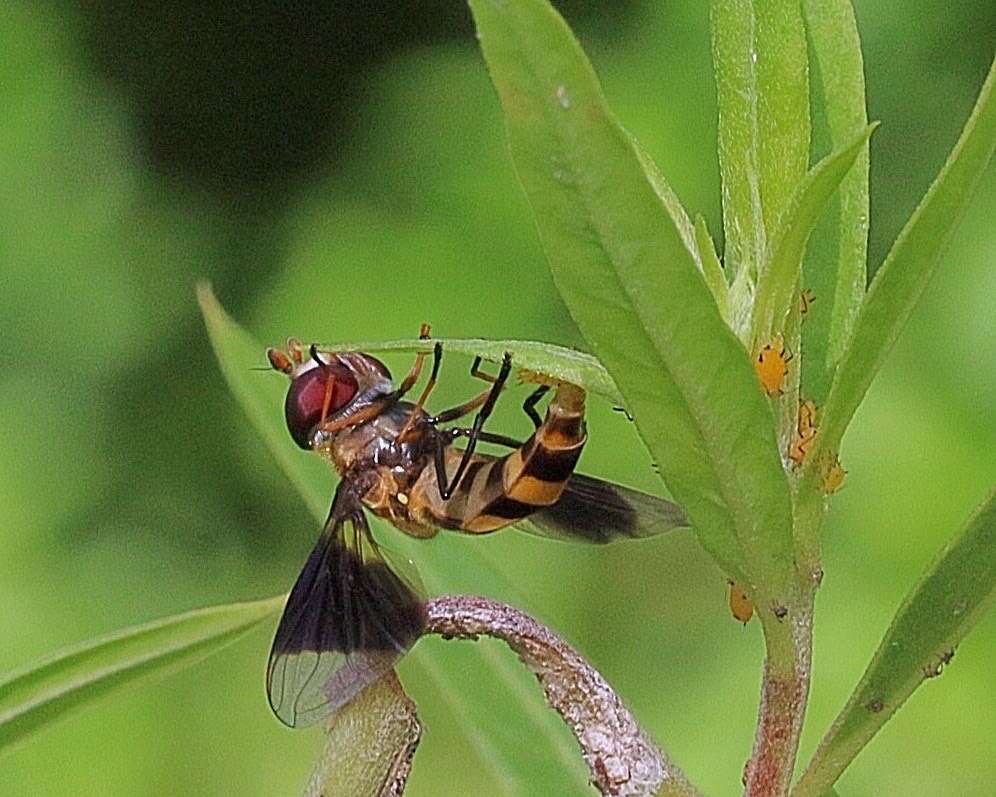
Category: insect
[805,432]
[771,366]
[833,476]
[740,605]
[806,299]
[353,610]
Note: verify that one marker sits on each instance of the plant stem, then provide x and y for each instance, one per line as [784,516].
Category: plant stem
[784,691]
[621,758]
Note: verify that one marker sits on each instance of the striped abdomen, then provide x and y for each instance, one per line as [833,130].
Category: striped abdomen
[496,492]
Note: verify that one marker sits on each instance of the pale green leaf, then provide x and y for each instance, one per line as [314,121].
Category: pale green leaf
[760,62]
[559,362]
[905,273]
[778,286]
[78,677]
[836,258]
[622,264]
[712,269]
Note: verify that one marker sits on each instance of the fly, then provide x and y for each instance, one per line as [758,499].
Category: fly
[353,611]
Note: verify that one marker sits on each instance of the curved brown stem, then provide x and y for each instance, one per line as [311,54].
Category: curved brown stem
[621,758]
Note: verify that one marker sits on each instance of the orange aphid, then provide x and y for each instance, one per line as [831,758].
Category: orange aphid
[806,298]
[771,367]
[833,477]
[805,432]
[740,606]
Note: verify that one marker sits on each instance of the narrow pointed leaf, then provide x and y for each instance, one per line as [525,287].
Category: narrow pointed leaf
[957,591]
[559,362]
[777,288]
[78,677]
[621,263]
[712,269]
[760,62]
[836,258]
[906,272]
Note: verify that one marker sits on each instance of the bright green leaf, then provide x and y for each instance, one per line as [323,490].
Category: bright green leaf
[760,62]
[562,363]
[262,397]
[712,269]
[835,267]
[777,288]
[669,199]
[78,677]
[957,590]
[621,262]
[905,273]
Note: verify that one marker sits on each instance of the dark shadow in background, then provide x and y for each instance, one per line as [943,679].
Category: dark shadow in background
[252,96]
[239,104]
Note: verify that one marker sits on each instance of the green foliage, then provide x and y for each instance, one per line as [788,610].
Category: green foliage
[778,285]
[558,362]
[636,292]
[370,740]
[835,265]
[649,295]
[958,590]
[76,678]
[911,262]
[645,292]
[761,69]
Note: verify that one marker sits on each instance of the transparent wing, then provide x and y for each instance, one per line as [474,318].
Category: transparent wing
[348,619]
[597,511]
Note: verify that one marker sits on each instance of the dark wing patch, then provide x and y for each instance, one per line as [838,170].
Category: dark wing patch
[348,619]
[597,511]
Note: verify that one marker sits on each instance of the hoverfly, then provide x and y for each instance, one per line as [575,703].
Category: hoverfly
[353,612]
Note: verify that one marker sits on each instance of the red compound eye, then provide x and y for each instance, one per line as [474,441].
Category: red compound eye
[306,397]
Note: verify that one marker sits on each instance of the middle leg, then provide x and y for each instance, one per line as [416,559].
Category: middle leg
[446,489]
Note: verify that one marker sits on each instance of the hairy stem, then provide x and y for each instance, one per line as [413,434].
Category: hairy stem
[621,758]
[784,691]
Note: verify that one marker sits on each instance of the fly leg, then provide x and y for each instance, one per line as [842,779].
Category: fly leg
[437,358]
[529,405]
[416,369]
[446,487]
[479,400]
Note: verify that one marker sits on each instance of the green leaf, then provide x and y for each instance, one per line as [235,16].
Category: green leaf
[957,591]
[621,263]
[835,268]
[369,744]
[712,269]
[905,273]
[777,288]
[569,365]
[760,61]
[75,678]
[262,398]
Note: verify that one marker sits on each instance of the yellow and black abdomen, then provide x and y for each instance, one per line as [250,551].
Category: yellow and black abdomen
[496,492]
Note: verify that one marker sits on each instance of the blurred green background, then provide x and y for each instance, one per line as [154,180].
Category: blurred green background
[338,171]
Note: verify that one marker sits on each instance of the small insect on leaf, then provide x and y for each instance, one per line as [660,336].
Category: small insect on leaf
[833,476]
[771,366]
[740,606]
[806,298]
[805,432]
